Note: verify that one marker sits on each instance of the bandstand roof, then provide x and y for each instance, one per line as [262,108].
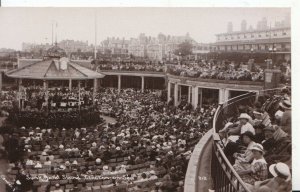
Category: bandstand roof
[54,69]
[55,66]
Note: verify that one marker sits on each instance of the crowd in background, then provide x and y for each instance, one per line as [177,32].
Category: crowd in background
[258,143]
[217,70]
[130,66]
[148,133]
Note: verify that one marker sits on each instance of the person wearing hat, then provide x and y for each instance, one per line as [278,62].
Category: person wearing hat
[258,170]
[281,181]
[242,160]
[242,126]
[244,119]
[286,118]
[259,133]
[57,188]
[269,141]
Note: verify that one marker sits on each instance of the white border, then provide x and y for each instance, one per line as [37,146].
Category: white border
[294,4]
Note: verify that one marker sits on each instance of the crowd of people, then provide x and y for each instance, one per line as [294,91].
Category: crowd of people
[148,146]
[129,66]
[217,70]
[258,143]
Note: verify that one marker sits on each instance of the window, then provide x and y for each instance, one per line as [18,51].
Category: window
[259,35]
[232,37]
[238,37]
[267,35]
[245,36]
[283,33]
[275,34]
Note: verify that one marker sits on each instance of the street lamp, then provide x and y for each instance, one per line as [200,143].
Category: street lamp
[252,53]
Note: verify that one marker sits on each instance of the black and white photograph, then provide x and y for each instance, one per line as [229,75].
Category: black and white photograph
[146,99]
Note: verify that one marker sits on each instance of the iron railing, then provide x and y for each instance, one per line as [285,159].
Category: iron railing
[224,177]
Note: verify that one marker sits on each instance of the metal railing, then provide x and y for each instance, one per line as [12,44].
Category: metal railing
[225,178]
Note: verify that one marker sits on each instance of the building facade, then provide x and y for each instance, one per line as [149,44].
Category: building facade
[275,41]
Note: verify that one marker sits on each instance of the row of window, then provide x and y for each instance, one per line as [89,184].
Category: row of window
[252,36]
[279,47]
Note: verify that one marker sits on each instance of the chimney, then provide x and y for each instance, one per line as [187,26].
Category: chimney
[229,27]
[244,25]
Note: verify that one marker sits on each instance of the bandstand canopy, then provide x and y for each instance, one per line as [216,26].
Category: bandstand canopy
[55,66]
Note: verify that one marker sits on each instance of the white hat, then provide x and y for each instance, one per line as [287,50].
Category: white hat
[152,172]
[37,128]
[280,169]
[258,147]
[62,167]
[22,127]
[286,104]
[105,167]
[18,182]
[74,162]
[44,153]
[118,148]
[244,116]
[61,146]
[47,147]
[98,160]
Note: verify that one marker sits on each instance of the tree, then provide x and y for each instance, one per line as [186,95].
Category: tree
[184,49]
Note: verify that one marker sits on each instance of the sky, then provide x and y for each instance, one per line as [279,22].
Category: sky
[34,25]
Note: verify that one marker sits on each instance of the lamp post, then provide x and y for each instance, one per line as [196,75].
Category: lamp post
[251,52]
[272,51]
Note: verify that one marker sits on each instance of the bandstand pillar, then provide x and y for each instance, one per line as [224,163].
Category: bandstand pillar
[70,84]
[169,91]
[20,93]
[119,83]
[95,90]
[45,85]
[176,94]
[0,80]
[20,84]
[189,94]
[143,84]
[221,95]
[195,95]
[226,94]
[200,90]
[85,83]
[79,99]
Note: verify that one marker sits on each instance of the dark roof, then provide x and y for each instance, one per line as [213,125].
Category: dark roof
[50,69]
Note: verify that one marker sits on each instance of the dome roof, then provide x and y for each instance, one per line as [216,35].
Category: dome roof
[56,52]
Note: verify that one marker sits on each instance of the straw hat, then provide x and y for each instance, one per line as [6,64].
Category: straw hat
[258,147]
[244,116]
[286,104]
[280,170]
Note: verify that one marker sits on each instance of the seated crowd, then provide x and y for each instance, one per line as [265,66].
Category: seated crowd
[129,66]
[146,149]
[258,144]
[216,70]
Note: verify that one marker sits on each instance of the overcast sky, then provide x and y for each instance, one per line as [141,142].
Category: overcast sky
[19,25]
